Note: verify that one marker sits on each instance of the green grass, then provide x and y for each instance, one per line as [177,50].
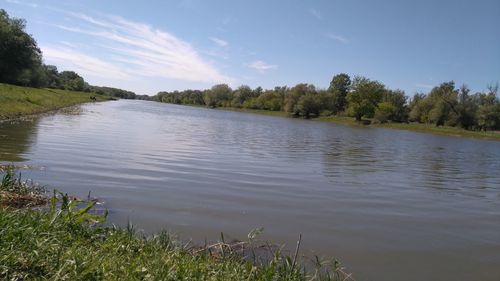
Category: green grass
[16,101]
[68,240]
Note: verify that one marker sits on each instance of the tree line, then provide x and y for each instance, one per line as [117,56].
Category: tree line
[21,63]
[358,97]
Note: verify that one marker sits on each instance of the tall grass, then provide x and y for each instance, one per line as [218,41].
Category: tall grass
[69,241]
[16,101]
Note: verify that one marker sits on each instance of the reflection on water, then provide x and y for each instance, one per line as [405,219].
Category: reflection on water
[392,205]
[16,138]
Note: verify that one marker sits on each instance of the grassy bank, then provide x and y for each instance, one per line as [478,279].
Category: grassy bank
[416,127]
[68,240]
[16,101]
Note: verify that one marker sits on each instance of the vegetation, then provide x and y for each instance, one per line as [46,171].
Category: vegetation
[69,241]
[16,101]
[21,63]
[368,101]
[17,193]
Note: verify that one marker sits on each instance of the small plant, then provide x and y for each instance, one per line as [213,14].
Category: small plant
[74,211]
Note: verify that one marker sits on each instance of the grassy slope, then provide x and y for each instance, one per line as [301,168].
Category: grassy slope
[16,101]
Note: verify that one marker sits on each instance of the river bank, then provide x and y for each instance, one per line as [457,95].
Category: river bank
[415,127]
[17,101]
[70,240]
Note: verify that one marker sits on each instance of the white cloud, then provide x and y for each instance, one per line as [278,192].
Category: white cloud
[83,64]
[32,5]
[338,38]
[261,66]
[316,14]
[139,49]
[219,42]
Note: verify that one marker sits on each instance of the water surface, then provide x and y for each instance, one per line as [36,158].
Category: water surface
[390,204]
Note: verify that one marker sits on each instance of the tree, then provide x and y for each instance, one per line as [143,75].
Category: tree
[293,95]
[488,115]
[218,95]
[398,101]
[70,80]
[466,108]
[243,93]
[444,100]
[19,53]
[364,98]
[385,111]
[308,105]
[269,100]
[339,87]
[53,80]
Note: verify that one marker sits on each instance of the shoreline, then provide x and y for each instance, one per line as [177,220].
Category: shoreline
[349,121]
[17,102]
[41,233]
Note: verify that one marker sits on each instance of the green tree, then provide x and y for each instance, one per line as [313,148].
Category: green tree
[19,53]
[364,98]
[398,100]
[308,105]
[444,100]
[218,95]
[339,87]
[241,94]
[385,111]
[293,95]
[466,108]
[70,80]
[488,115]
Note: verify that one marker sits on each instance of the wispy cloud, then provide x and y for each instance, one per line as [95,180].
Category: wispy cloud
[139,48]
[316,13]
[219,42]
[29,4]
[82,63]
[261,66]
[337,37]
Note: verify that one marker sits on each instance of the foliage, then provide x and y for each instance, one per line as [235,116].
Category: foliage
[384,112]
[113,92]
[19,54]
[339,88]
[293,96]
[218,95]
[364,98]
[445,105]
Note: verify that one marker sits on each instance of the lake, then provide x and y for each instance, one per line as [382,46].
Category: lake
[389,204]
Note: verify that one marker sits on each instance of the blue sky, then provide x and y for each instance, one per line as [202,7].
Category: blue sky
[149,46]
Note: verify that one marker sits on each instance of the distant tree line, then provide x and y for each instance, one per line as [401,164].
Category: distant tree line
[21,63]
[359,97]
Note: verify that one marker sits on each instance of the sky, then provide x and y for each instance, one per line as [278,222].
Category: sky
[152,46]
